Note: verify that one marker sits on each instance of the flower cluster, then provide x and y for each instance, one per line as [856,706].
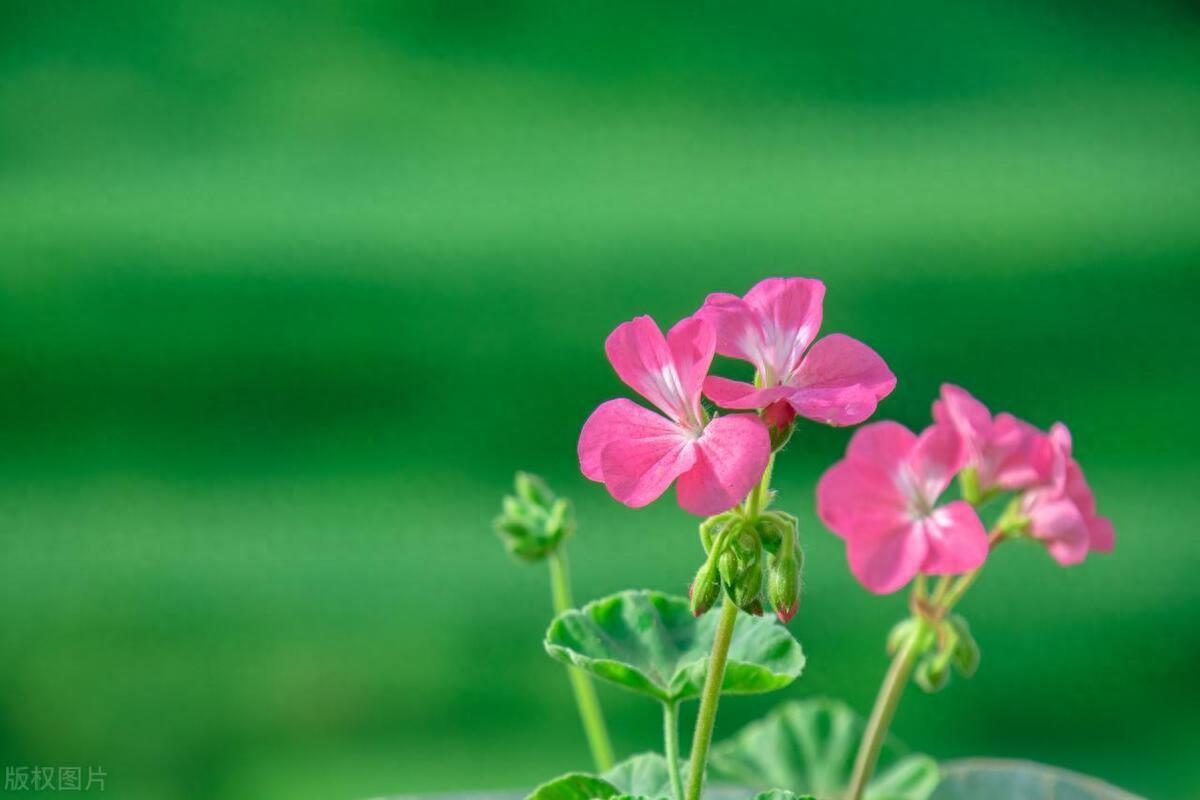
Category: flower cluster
[884,497]
[715,460]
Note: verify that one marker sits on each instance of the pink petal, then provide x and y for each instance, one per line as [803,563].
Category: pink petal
[1017,456]
[730,458]
[859,499]
[692,342]
[840,381]
[969,417]
[789,313]
[615,420]
[957,539]
[639,353]
[739,334]
[887,562]
[736,394]
[884,444]
[1060,526]
[1101,535]
[638,469]
[936,458]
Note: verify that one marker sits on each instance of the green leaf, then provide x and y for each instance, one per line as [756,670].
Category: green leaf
[809,747]
[575,786]
[994,779]
[644,774]
[781,794]
[649,642]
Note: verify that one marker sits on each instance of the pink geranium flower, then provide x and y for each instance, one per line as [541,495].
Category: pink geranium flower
[637,453]
[882,500]
[839,381]
[1062,513]
[1007,453]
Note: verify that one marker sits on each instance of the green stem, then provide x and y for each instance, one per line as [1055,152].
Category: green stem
[671,747]
[885,708]
[709,699]
[757,499]
[585,693]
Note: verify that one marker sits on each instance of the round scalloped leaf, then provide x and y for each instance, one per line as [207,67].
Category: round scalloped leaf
[995,779]
[649,642]
[575,786]
[809,747]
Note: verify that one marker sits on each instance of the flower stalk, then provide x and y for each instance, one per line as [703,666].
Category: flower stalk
[585,694]
[709,699]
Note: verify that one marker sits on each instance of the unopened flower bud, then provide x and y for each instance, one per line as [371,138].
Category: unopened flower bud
[747,590]
[783,584]
[780,418]
[533,521]
[705,589]
[932,674]
[966,649]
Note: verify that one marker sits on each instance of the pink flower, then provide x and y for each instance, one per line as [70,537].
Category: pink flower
[882,499]
[839,381]
[637,453]
[1006,452]
[1062,513]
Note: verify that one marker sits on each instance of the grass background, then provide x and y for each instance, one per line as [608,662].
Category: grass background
[287,292]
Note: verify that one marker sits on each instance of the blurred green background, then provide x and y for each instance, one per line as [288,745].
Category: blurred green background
[288,291]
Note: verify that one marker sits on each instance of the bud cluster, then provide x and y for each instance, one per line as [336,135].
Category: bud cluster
[533,521]
[754,561]
[941,644]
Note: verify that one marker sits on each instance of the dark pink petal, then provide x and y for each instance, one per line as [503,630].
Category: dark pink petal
[638,469]
[616,420]
[936,458]
[639,353]
[887,562]
[859,499]
[789,313]
[885,444]
[692,342]
[729,393]
[957,539]
[730,458]
[1059,525]
[840,381]
[739,334]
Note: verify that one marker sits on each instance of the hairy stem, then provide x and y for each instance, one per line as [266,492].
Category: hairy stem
[881,715]
[709,699]
[671,747]
[585,694]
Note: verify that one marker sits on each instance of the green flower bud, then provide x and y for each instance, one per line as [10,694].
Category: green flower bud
[705,589]
[783,583]
[932,674]
[747,589]
[533,521]
[966,650]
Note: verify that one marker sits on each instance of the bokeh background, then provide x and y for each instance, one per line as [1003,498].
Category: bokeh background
[288,291]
